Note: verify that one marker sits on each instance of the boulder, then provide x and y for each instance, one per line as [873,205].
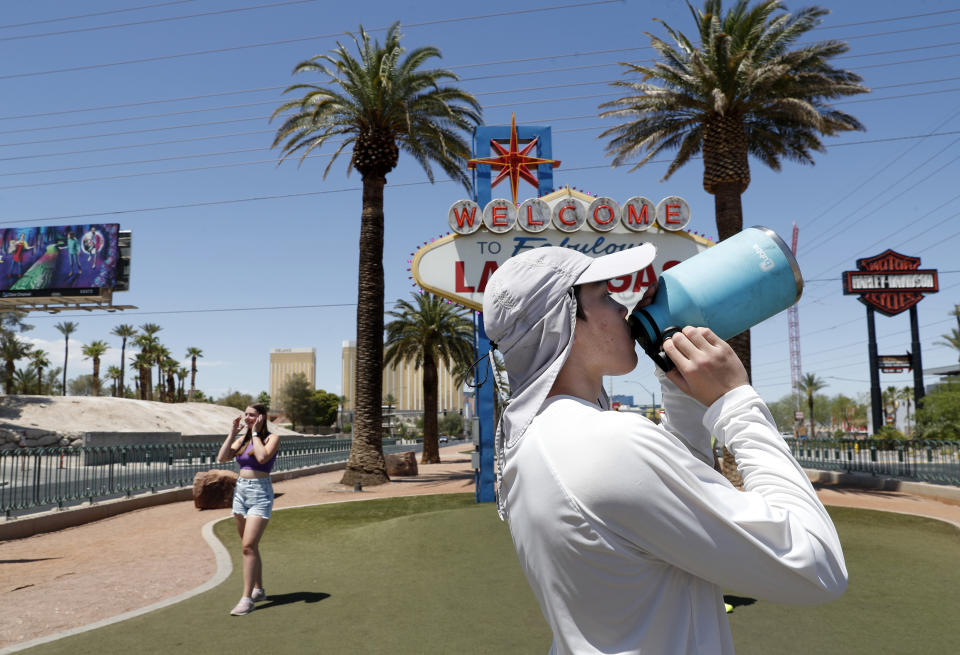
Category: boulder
[402,464]
[214,489]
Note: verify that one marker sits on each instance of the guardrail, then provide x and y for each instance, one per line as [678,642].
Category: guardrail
[37,479]
[927,461]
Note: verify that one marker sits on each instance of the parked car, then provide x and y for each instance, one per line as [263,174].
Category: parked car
[444,438]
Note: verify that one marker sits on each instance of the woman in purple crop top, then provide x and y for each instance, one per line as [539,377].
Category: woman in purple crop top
[253,499]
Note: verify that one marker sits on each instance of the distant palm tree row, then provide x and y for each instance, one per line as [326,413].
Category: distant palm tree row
[171,376]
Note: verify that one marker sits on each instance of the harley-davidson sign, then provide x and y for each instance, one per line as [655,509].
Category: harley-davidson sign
[890,282]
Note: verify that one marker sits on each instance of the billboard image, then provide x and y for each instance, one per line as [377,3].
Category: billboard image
[67,260]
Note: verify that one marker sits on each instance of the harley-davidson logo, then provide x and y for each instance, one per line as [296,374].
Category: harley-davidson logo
[890,282]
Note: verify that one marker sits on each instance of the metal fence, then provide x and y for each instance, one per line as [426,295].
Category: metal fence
[37,479]
[926,461]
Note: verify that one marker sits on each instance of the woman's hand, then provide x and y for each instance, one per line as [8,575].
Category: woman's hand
[236,426]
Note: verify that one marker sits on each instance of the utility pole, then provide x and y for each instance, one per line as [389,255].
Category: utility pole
[793,328]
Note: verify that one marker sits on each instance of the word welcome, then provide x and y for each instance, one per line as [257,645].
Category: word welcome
[569,215]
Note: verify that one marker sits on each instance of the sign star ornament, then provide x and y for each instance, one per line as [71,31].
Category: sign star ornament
[513,163]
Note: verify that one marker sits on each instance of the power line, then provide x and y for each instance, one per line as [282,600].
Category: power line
[269,197]
[264,117]
[439,21]
[244,150]
[192,205]
[908,61]
[889,20]
[277,88]
[93,15]
[555,119]
[898,50]
[479,64]
[874,176]
[146,21]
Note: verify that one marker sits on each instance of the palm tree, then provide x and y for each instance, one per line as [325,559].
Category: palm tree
[890,398]
[150,330]
[115,374]
[161,354]
[170,366]
[193,353]
[811,384]
[143,362]
[12,349]
[952,339]
[389,400]
[24,379]
[182,375]
[342,402]
[432,331]
[95,350]
[378,103]
[40,361]
[906,395]
[124,331]
[66,328]
[746,89]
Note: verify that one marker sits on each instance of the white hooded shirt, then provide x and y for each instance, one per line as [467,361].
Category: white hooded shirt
[628,536]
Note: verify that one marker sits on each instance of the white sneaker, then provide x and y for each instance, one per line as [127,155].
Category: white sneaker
[245,606]
[258,595]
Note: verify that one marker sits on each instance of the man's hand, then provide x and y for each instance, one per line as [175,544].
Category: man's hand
[706,366]
[648,296]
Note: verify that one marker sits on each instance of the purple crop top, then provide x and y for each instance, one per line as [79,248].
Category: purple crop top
[248,461]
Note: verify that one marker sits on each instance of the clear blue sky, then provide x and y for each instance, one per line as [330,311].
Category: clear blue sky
[166,122]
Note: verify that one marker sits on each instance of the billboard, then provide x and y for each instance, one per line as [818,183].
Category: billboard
[77,261]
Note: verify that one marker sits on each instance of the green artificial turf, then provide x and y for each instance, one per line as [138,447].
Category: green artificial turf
[438,574]
[902,598]
[424,574]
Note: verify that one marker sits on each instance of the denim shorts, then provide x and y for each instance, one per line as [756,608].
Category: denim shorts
[253,496]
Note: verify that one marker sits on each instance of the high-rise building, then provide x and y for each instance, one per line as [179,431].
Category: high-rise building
[286,362]
[404,382]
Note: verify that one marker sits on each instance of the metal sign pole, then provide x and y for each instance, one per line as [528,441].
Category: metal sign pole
[918,390]
[875,399]
[483,372]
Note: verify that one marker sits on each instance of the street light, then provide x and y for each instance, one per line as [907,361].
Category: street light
[653,401]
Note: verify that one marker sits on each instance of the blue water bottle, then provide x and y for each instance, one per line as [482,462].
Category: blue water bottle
[728,288]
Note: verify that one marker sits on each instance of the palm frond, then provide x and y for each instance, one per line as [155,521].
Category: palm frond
[747,67]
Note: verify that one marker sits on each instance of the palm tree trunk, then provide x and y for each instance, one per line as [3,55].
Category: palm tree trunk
[96,376]
[729,216]
[193,377]
[810,403]
[66,351]
[146,393]
[123,365]
[366,463]
[431,449]
[39,381]
[8,379]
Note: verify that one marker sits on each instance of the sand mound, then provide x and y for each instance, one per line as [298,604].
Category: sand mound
[91,414]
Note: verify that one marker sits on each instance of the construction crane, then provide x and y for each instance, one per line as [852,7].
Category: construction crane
[793,327]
